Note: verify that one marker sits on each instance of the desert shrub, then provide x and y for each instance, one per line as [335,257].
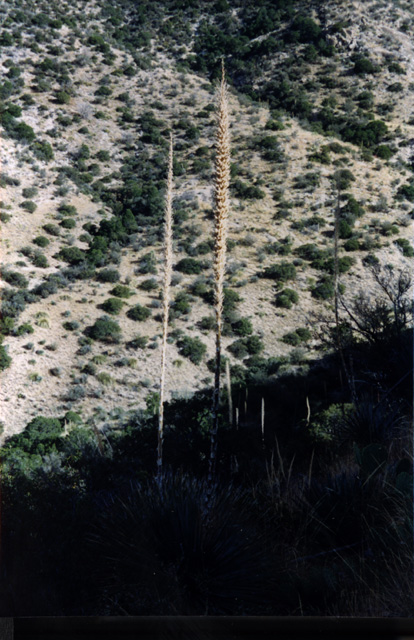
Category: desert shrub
[308,180]
[269,148]
[30,192]
[296,337]
[344,229]
[14,279]
[62,97]
[121,291]
[242,327]
[68,223]
[405,192]
[343,179]
[24,329]
[286,298]
[71,325]
[105,330]
[5,359]
[29,205]
[67,209]
[43,150]
[72,255]
[103,155]
[192,348]
[246,191]
[363,66]
[52,229]
[189,266]
[280,272]
[112,306]
[405,246]
[324,289]
[138,313]
[149,285]
[108,275]
[39,260]
[207,323]
[383,151]
[351,245]
[148,263]
[181,304]
[139,342]
[37,437]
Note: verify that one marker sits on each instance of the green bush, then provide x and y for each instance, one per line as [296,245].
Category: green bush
[189,266]
[15,279]
[406,247]
[192,348]
[108,275]
[324,289]
[105,330]
[72,255]
[121,291]
[247,192]
[149,285]
[37,437]
[50,228]
[351,245]
[40,260]
[364,65]
[286,298]
[296,337]
[29,205]
[138,313]
[68,223]
[112,306]
[5,359]
[43,151]
[280,272]
[242,327]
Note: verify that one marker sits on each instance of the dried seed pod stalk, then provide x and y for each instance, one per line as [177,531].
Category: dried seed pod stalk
[221,210]
[166,301]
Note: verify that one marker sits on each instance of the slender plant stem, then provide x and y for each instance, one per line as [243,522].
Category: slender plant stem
[221,197]
[166,303]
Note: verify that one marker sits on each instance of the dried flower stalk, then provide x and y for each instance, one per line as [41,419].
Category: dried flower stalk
[168,254]
[221,210]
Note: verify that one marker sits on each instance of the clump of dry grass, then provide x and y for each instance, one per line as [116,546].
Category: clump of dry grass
[221,210]
[168,254]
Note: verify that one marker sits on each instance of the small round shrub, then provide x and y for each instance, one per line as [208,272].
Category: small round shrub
[121,291]
[52,229]
[242,327]
[41,241]
[29,205]
[192,348]
[138,313]
[108,275]
[68,223]
[351,245]
[149,285]
[106,330]
[39,260]
[287,298]
[189,266]
[112,306]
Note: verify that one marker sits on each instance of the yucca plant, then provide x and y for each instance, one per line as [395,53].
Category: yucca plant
[166,302]
[221,197]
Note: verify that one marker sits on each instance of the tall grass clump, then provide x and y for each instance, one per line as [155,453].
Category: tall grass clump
[221,210]
[166,302]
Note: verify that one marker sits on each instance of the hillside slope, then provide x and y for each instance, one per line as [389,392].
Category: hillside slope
[321,97]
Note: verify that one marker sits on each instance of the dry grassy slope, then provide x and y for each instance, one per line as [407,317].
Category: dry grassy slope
[22,398]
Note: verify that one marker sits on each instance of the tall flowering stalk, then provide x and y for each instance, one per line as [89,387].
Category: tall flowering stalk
[221,210]
[166,302]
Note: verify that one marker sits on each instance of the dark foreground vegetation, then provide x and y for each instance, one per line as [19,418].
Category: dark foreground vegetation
[311,515]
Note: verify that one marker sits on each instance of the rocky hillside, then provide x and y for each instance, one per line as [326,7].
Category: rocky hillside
[321,120]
